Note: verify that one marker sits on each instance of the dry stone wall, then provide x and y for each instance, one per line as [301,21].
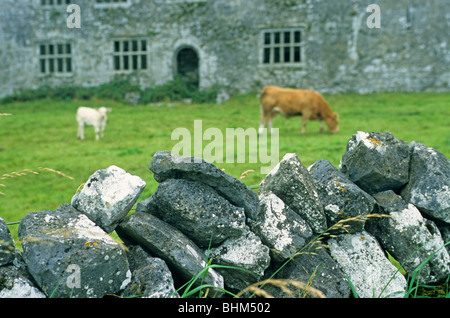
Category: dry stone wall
[386,196]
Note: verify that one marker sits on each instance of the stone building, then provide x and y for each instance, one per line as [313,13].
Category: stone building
[238,45]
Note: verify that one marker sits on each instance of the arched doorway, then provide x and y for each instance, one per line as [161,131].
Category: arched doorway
[187,67]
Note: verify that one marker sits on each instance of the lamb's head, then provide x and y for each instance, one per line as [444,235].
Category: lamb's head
[103,110]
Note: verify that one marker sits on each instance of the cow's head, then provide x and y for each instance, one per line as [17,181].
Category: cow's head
[333,124]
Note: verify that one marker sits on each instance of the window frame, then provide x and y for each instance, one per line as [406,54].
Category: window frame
[54,3]
[112,4]
[279,47]
[57,63]
[125,54]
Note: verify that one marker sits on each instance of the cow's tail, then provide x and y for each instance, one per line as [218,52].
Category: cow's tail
[263,93]
[261,96]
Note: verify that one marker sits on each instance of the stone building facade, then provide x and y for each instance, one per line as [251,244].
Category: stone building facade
[238,45]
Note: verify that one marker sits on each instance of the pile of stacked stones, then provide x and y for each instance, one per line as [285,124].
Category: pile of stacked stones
[320,225]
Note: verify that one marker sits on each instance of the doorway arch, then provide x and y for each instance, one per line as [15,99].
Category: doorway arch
[187,66]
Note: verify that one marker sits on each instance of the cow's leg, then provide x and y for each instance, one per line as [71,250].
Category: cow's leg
[266,119]
[269,126]
[261,126]
[304,121]
[321,126]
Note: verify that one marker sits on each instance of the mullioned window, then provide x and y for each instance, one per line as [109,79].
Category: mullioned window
[130,55]
[282,46]
[55,58]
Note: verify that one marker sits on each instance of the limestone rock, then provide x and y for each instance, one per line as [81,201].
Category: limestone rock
[69,256]
[245,252]
[108,196]
[198,211]
[429,183]
[364,262]
[280,228]
[340,197]
[316,268]
[376,162]
[7,246]
[445,232]
[411,239]
[151,278]
[166,165]
[292,183]
[164,241]
[16,282]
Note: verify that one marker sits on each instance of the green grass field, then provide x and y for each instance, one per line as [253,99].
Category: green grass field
[42,134]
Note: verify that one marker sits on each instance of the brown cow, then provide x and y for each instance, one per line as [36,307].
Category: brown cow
[296,102]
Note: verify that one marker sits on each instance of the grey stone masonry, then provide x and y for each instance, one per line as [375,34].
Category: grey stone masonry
[239,45]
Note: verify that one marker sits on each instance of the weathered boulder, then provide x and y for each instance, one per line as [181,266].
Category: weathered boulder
[7,245]
[69,256]
[388,201]
[280,228]
[410,238]
[16,282]
[292,183]
[315,268]
[151,278]
[147,206]
[246,253]
[429,182]
[107,196]
[164,241]
[166,165]
[340,197]
[376,162]
[368,269]
[198,211]
[445,232]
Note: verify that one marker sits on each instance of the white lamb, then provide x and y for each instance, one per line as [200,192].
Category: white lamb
[92,117]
